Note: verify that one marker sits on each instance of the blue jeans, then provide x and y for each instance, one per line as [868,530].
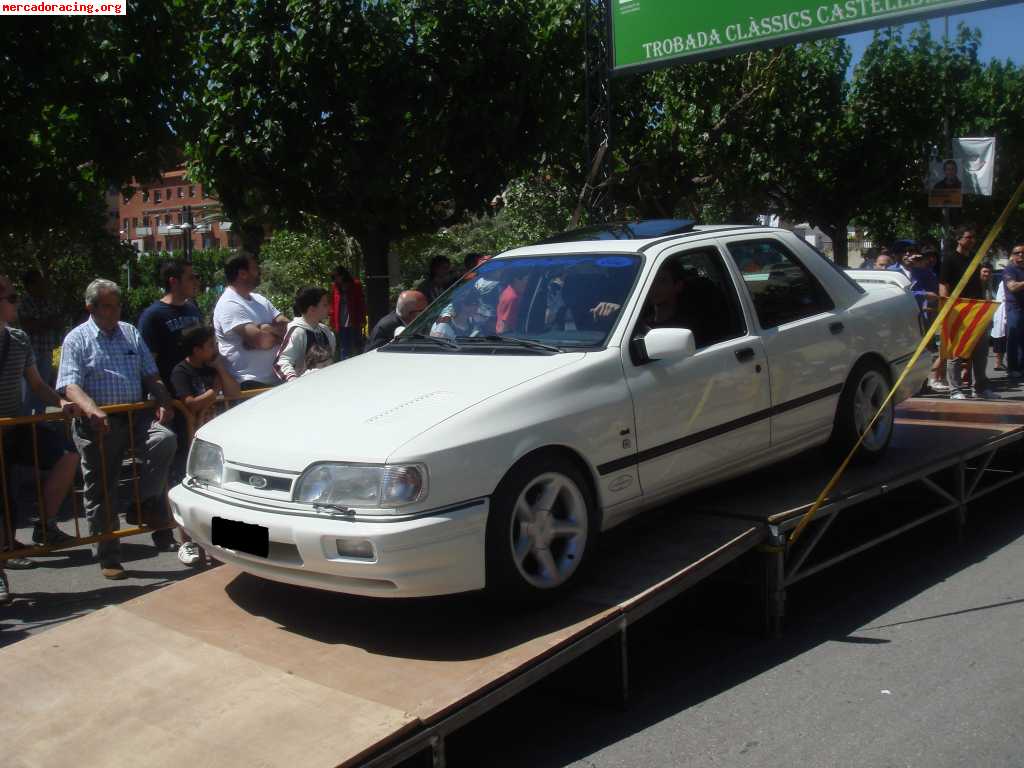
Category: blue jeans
[1014,339]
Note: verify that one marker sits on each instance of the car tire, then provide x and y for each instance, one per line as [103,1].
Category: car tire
[541,528]
[865,390]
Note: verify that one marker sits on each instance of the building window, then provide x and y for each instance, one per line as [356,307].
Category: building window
[156,196]
[145,195]
[181,218]
[125,225]
[170,193]
[145,221]
[135,222]
[181,193]
[191,191]
[167,219]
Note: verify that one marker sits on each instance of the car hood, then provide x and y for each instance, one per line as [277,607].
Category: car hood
[365,408]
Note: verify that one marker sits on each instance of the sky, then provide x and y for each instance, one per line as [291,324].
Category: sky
[1002,32]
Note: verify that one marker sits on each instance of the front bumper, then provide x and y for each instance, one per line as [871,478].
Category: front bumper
[432,555]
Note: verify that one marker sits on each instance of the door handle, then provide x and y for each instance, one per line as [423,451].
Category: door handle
[836,328]
[744,354]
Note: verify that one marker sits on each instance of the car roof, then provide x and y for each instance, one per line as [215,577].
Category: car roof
[596,243]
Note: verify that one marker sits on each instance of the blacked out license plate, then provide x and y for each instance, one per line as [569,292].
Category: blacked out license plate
[241,537]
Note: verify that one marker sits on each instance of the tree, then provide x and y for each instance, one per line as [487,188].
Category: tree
[86,104]
[386,118]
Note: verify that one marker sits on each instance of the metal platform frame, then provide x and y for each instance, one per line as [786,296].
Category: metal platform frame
[951,485]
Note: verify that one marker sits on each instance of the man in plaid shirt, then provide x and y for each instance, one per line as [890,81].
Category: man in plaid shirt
[106,362]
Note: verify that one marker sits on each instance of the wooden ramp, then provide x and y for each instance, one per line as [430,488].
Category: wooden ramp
[225,669]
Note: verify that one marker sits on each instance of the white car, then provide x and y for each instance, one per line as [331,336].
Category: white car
[548,396]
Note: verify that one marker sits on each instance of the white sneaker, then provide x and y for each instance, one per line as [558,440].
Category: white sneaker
[958,396]
[189,553]
[937,386]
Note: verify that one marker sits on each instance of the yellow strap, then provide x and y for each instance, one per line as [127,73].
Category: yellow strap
[925,340]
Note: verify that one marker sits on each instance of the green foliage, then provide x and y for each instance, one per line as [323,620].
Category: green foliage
[87,103]
[536,205]
[69,265]
[386,118]
[293,260]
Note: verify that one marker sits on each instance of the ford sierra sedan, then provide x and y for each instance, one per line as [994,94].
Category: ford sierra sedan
[550,394]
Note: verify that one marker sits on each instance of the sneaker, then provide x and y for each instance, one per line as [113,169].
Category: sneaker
[54,536]
[958,396]
[164,541]
[987,394]
[5,590]
[19,563]
[112,570]
[937,386]
[189,553]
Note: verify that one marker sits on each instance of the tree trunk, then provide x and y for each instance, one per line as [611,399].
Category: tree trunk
[375,244]
[251,236]
[840,245]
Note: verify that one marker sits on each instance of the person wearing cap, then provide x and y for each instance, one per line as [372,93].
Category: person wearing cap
[924,285]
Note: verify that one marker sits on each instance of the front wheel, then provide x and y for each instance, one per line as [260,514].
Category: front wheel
[863,395]
[541,527]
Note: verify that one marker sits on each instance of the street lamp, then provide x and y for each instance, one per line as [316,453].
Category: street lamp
[186,228]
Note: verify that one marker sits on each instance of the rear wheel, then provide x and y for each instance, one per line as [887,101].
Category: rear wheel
[541,527]
[863,395]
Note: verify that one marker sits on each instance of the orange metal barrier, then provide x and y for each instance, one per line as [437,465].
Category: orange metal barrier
[9,551]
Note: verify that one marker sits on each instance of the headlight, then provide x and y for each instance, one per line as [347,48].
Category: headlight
[206,462]
[361,485]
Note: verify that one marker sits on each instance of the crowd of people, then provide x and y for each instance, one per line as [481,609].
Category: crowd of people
[171,354]
[932,280]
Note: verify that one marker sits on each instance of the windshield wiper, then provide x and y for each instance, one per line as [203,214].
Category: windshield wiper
[446,343]
[528,343]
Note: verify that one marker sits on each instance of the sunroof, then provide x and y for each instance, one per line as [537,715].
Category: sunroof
[626,230]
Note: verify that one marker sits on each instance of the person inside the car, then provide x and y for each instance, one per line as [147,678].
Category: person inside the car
[664,307]
[461,322]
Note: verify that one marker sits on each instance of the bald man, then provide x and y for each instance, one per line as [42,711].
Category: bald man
[407,309]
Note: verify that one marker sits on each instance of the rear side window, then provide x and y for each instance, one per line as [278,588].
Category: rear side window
[782,289]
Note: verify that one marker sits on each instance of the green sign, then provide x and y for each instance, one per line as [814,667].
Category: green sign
[653,33]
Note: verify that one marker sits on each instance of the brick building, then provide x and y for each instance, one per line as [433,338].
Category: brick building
[151,218]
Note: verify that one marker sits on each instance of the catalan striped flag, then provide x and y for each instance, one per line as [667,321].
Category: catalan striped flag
[964,325]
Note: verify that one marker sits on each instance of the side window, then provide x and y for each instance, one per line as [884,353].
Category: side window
[693,290]
[782,289]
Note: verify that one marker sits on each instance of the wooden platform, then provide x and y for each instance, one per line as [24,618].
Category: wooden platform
[225,669]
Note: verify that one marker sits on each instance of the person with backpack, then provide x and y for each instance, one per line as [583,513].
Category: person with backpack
[308,344]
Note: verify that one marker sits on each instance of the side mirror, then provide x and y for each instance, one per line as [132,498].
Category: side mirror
[398,331]
[669,344]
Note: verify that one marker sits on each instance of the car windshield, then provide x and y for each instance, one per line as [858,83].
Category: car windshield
[557,302]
